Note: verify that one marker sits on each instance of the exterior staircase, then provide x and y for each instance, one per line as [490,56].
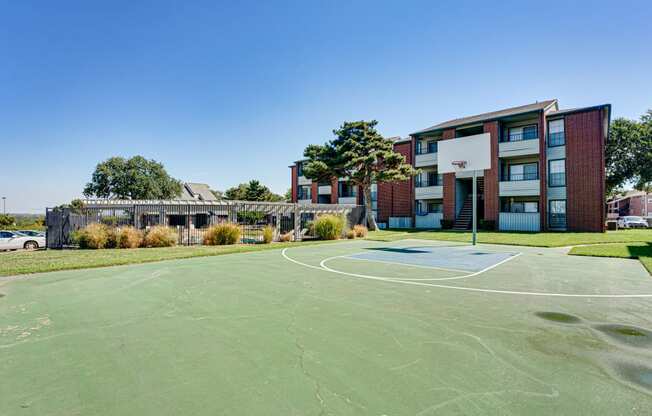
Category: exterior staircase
[465,217]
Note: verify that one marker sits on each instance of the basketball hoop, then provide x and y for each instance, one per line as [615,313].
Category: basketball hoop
[460,164]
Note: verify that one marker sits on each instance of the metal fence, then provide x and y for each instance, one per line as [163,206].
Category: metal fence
[191,219]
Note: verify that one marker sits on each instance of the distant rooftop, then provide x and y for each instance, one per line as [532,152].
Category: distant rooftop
[539,105]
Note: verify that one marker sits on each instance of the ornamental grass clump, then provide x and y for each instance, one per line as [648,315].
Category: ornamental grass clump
[160,236]
[329,227]
[222,234]
[93,236]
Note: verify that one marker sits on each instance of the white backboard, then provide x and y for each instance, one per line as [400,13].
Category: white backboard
[474,150]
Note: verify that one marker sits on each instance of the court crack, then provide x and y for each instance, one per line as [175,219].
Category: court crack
[301,359]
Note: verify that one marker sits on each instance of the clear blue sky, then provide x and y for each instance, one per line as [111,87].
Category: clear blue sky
[223,93]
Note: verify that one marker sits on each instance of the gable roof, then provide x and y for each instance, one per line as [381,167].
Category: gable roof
[200,191]
[537,106]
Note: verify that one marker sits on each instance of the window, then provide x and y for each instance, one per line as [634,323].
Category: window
[557,172]
[418,148]
[300,169]
[520,206]
[516,134]
[345,190]
[556,135]
[433,179]
[201,221]
[432,146]
[524,172]
[304,192]
[176,220]
[557,214]
[6,234]
[434,207]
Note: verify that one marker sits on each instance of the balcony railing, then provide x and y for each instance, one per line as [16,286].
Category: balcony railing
[557,179]
[556,220]
[436,181]
[424,150]
[517,137]
[556,139]
[515,177]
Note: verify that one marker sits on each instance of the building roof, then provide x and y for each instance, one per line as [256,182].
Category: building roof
[537,106]
[200,191]
[576,110]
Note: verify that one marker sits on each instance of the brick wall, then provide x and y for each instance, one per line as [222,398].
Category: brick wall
[295,182]
[314,192]
[543,171]
[449,184]
[585,175]
[396,199]
[491,199]
[334,191]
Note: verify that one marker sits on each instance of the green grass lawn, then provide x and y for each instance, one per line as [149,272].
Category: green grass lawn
[560,239]
[641,251]
[23,262]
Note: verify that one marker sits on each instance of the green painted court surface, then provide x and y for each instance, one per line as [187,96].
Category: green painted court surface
[353,328]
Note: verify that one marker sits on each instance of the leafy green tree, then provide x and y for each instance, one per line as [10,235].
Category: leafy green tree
[7,220]
[361,154]
[252,191]
[288,195]
[628,155]
[134,178]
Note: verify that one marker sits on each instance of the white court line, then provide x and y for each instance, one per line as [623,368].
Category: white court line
[467,289]
[322,264]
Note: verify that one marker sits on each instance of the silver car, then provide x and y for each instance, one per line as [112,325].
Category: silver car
[632,221]
[10,240]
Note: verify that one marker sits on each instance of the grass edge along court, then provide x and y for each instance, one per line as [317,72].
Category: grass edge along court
[16,263]
[424,328]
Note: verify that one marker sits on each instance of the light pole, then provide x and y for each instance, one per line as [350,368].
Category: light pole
[4,205]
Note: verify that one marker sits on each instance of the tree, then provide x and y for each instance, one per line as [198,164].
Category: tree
[360,154]
[288,195]
[6,220]
[134,178]
[628,155]
[252,191]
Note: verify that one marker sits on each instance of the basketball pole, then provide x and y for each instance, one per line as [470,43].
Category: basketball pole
[475,203]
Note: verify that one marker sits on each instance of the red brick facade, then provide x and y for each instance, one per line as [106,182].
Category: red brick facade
[449,184]
[313,192]
[584,133]
[585,174]
[491,200]
[295,182]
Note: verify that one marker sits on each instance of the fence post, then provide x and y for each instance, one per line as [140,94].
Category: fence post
[297,223]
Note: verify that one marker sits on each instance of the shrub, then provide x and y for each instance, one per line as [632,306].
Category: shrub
[310,225]
[360,230]
[111,238]
[129,237]
[268,234]
[93,236]
[160,236]
[350,234]
[222,234]
[287,237]
[487,225]
[329,227]
[447,224]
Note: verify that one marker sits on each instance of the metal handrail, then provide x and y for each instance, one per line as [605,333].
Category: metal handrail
[516,177]
[517,137]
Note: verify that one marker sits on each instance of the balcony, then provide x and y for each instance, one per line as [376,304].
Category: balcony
[347,200]
[324,190]
[429,192]
[514,148]
[425,159]
[304,201]
[428,220]
[304,181]
[520,185]
[519,221]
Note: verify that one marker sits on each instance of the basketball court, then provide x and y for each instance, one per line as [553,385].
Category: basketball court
[352,328]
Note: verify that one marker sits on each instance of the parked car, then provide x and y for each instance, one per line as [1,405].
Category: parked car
[10,240]
[632,221]
[31,233]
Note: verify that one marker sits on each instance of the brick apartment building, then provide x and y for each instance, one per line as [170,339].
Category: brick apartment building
[547,173]
[636,203]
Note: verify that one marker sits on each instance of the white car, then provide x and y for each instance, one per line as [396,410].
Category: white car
[10,240]
[632,221]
